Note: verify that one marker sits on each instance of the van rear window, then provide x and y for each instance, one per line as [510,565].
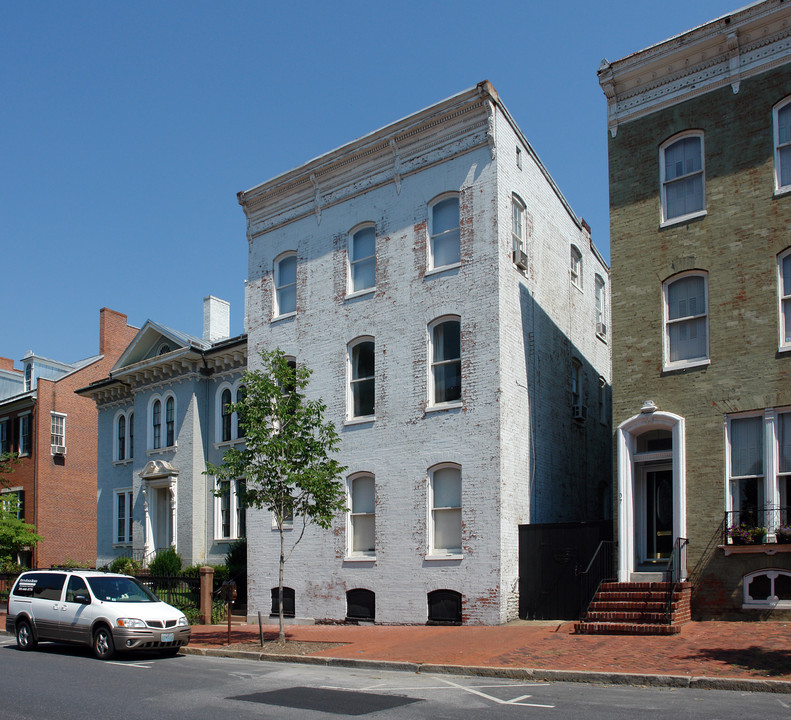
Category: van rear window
[46,586]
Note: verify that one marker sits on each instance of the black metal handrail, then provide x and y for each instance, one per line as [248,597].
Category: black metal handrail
[675,567]
[599,569]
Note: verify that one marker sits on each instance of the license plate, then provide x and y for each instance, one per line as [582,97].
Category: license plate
[166,637]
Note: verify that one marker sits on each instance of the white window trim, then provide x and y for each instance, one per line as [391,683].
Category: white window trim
[433,405]
[234,525]
[432,553]
[351,554]
[52,416]
[779,188]
[772,602]
[129,506]
[771,459]
[576,275]
[692,362]
[518,239]
[600,292]
[276,314]
[19,417]
[128,415]
[14,490]
[350,293]
[352,419]
[233,387]
[432,269]
[667,222]
[783,345]
[163,398]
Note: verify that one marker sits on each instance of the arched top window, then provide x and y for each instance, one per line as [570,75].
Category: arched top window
[576,267]
[767,588]
[444,606]
[444,249]
[781,115]
[285,276]
[517,225]
[360,605]
[227,423]
[686,338]
[445,510]
[601,306]
[124,435]
[445,360]
[362,258]
[362,516]
[784,297]
[682,171]
[362,379]
[162,422]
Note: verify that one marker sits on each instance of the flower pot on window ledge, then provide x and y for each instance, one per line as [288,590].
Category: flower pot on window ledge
[746,535]
[783,534]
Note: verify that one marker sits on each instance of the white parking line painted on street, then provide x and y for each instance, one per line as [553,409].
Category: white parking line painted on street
[497,700]
[128,664]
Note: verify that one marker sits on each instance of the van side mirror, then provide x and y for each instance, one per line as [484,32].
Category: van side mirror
[82,599]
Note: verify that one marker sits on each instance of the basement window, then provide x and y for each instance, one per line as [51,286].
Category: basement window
[767,589]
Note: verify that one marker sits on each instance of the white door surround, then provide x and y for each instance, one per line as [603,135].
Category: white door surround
[628,469]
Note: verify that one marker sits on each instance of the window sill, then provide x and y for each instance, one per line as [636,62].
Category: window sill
[781,192]
[285,316]
[161,451]
[601,337]
[442,269]
[685,365]
[435,557]
[118,463]
[228,443]
[577,286]
[682,219]
[444,406]
[227,539]
[122,544]
[360,293]
[784,349]
[757,549]
[360,420]
[359,559]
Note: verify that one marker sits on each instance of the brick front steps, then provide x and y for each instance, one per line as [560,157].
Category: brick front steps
[635,608]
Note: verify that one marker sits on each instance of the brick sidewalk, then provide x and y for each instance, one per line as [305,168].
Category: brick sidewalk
[757,650]
[712,649]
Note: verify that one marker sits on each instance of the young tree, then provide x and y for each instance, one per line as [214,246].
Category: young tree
[285,461]
[15,534]
[7,462]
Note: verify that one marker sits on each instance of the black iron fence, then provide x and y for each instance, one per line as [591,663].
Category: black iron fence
[676,564]
[753,525]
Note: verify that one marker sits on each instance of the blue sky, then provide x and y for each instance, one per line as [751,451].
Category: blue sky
[129,127]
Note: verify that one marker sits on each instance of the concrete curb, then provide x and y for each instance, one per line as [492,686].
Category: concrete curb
[577,676]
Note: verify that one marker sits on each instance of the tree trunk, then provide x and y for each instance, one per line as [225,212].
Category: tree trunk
[282,636]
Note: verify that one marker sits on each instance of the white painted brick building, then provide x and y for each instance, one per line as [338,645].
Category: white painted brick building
[448,451]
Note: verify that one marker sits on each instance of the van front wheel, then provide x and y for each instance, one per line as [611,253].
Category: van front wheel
[103,646]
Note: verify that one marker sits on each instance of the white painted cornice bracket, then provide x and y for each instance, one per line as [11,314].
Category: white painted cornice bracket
[396,165]
[490,129]
[734,60]
[607,82]
[316,198]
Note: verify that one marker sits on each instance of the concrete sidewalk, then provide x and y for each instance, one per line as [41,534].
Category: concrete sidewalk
[724,655]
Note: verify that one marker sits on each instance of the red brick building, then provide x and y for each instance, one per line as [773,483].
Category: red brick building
[55,433]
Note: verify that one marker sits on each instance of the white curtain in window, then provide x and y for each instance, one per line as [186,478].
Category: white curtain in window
[447,509]
[287,285]
[786,292]
[686,298]
[363,515]
[784,144]
[683,177]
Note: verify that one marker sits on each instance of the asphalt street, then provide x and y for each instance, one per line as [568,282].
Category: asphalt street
[68,683]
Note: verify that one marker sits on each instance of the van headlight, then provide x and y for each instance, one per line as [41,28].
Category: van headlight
[182,621]
[130,623]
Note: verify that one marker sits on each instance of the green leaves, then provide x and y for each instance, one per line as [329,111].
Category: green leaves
[286,460]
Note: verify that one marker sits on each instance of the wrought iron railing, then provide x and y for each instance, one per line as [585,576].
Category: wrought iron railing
[600,568]
[675,571]
[753,525]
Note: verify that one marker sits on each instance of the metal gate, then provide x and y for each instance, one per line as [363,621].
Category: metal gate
[550,558]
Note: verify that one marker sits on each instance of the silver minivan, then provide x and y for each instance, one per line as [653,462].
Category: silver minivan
[107,611]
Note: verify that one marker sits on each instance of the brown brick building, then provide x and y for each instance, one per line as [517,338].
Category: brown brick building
[54,431]
[700,211]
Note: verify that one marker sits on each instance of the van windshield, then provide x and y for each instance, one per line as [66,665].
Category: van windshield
[120,589]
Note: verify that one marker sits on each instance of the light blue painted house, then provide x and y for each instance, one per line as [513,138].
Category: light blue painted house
[162,417]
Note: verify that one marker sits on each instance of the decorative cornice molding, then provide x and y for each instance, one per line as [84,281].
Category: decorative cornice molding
[722,52]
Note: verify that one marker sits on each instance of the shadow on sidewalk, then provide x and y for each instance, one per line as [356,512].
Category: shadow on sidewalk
[772,662]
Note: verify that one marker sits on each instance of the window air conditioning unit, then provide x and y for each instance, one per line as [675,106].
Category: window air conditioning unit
[579,412]
[58,449]
[520,259]
[601,329]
